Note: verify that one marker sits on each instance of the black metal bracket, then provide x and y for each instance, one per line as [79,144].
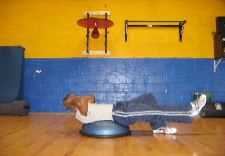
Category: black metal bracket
[87,36]
[179,24]
[217,61]
[106,38]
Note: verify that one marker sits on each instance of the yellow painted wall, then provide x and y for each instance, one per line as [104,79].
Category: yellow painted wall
[48,29]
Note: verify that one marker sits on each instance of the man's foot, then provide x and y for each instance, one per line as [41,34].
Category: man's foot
[165,130]
[198,104]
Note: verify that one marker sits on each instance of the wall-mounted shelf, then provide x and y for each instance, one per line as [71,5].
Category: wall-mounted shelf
[155,24]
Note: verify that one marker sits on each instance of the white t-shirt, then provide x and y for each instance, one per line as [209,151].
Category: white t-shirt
[96,112]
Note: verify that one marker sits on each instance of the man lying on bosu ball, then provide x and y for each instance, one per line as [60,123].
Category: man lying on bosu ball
[142,108]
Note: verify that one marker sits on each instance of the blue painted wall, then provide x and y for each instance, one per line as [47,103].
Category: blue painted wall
[172,81]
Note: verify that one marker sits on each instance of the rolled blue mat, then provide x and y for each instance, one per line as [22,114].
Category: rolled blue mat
[11,73]
[18,107]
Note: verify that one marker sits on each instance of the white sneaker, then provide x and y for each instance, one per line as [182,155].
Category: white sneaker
[198,104]
[165,130]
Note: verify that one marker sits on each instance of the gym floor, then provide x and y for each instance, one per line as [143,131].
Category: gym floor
[57,134]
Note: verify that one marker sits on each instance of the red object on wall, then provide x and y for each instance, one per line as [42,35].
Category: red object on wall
[95,23]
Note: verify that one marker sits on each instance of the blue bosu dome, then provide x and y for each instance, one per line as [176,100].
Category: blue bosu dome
[105,129]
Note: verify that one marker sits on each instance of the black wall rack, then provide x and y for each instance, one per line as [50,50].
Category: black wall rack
[154,24]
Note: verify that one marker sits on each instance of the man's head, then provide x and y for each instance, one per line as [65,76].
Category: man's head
[71,101]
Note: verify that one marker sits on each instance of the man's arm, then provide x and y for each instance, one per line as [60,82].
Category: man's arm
[90,98]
